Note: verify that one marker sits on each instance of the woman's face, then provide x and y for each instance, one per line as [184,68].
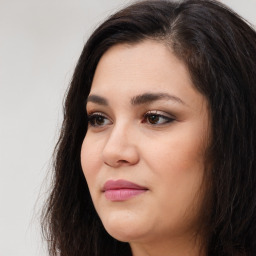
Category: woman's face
[143,155]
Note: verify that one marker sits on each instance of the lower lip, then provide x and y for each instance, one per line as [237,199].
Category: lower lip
[122,194]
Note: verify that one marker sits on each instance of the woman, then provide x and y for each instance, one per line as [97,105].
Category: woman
[157,150]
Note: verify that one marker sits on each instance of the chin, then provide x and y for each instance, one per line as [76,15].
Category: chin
[124,234]
[125,227]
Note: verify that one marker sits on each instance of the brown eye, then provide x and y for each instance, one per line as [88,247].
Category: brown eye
[98,120]
[153,119]
[157,119]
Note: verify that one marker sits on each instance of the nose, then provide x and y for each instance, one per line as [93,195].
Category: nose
[120,148]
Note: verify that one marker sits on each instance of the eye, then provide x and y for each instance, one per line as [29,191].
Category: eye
[98,120]
[156,118]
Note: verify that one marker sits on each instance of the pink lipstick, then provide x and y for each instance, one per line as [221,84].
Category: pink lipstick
[121,190]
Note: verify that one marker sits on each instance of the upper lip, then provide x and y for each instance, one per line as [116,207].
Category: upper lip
[121,184]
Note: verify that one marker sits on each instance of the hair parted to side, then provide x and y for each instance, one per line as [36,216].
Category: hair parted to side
[219,49]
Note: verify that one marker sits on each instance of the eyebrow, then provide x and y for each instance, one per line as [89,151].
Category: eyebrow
[97,99]
[149,97]
[144,98]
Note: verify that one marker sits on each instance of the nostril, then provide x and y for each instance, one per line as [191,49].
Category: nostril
[123,161]
[117,163]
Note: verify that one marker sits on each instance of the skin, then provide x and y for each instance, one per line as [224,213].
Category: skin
[158,143]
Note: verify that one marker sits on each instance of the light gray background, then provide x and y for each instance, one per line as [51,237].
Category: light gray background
[40,42]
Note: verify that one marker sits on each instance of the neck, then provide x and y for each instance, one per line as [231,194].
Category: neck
[168,247]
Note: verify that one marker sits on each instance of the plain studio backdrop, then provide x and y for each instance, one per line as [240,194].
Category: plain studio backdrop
[40,42]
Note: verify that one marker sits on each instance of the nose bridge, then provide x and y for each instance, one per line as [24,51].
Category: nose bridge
[120,147]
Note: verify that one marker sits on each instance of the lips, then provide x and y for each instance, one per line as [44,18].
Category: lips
[122,190]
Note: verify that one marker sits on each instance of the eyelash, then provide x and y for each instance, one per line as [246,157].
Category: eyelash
[99,117]
[167,119]
[92,118]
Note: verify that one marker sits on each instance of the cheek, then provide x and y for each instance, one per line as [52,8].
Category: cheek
[90,159]
[178,153]
[178,166]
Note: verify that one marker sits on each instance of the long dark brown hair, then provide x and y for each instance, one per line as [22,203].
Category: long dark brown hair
[219,49]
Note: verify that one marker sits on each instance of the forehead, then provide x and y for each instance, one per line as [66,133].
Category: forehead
[149,66]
